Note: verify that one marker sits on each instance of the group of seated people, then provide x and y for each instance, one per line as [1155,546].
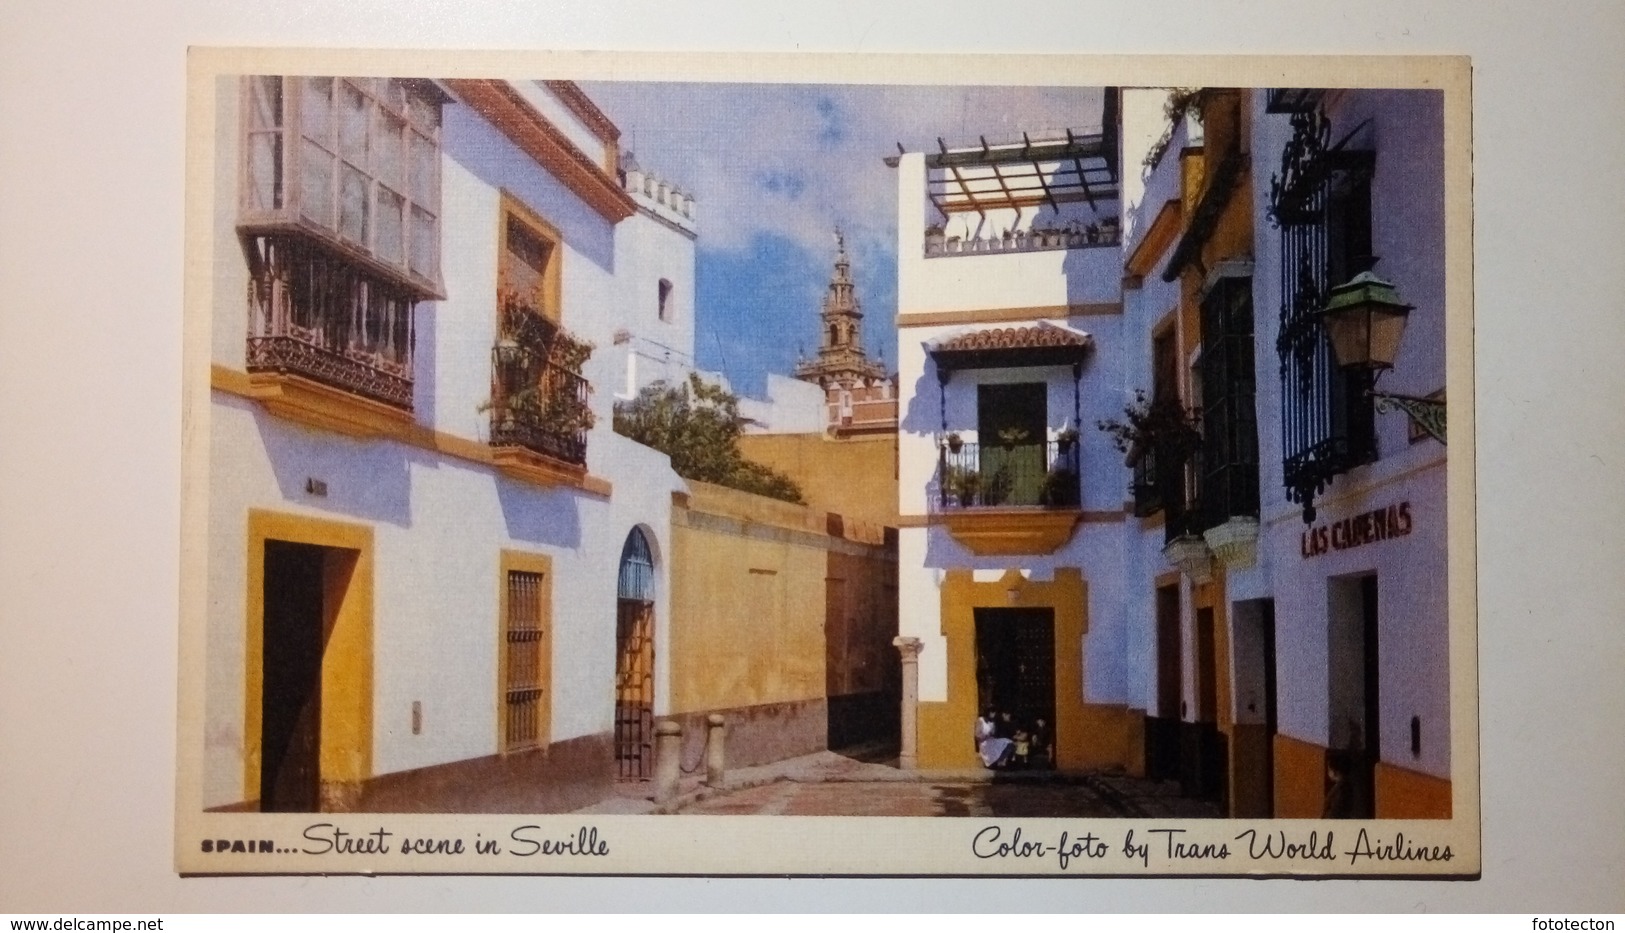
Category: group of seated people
[1005,743]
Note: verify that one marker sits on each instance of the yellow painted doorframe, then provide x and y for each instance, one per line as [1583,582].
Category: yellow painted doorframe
[347,659]
[945,728]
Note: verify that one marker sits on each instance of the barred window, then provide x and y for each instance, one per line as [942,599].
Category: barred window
[524,671]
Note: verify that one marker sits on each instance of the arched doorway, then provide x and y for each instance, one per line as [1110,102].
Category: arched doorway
[635,660]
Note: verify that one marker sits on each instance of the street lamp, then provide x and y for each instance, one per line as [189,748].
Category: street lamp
[1364,319]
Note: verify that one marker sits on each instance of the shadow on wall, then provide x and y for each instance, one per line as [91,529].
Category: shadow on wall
[424,361]
[362,479]
[551,517]
[1093,275]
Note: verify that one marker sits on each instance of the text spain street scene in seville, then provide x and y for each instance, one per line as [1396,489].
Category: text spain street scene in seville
[843,450]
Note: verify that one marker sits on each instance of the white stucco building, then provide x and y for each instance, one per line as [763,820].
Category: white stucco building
[1009,308]
[1253,594]
[432,566]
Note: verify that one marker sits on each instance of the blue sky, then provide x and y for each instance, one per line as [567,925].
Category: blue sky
[774,168]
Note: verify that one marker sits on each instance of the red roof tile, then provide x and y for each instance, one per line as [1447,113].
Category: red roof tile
[1016,338]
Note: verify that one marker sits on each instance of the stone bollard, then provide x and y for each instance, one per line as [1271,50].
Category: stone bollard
[668,760]
[715,755]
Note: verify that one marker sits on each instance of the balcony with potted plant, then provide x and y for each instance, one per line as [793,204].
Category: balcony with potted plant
[539,408]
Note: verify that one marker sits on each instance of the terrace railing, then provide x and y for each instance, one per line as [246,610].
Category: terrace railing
[1020,475]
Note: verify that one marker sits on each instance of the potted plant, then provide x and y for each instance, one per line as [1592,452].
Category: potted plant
[1165,425]
[933,239]
[962,484]
[1060,486]
[955,442]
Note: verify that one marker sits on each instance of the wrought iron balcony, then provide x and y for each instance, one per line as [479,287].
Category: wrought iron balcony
[540,401]
[545,420]
[318,316]
[1022,475]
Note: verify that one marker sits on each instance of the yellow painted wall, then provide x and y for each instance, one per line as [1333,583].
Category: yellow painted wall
[1300,779]
[855,477]
[860,622]
[747,601]
[1403,794]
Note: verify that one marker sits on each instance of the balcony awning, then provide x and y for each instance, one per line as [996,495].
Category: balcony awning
[1041,344]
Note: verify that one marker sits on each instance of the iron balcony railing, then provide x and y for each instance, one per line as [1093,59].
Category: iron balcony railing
[319,316]
[534,422]
[1104,234]
[995,476]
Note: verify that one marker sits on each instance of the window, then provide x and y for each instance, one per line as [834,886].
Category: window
[528,272]
[352,162]
[339,219]
[526,657]
[1228,483]
[1321,203]
[539,398]
[665,299]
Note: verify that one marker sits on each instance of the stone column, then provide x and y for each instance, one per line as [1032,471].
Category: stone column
[909,648]
[668,760]
[715,754]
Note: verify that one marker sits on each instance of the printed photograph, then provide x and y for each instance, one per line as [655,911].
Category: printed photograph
[579,466]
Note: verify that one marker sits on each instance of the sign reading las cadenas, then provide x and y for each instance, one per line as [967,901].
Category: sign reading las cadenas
[1356,530]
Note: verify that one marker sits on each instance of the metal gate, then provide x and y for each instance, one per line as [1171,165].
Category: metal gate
[635,661]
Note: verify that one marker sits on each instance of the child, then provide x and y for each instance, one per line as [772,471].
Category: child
[1043,749]
[1023,748]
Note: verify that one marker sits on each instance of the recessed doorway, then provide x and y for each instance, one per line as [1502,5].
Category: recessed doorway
[297,618]
[1015,665]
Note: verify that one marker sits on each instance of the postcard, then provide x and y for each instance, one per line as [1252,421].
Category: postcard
[605,463]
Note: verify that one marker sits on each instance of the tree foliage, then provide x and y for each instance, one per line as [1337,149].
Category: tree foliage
[698,426]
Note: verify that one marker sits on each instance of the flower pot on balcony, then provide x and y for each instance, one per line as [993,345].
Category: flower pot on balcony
[1234,543]
[1190,554]
[955,443]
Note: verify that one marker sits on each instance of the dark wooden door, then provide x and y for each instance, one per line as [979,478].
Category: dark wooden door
[1162,728]
[1365,760]
[1266,619]
[291,696]
[1206,763]
[1015,656]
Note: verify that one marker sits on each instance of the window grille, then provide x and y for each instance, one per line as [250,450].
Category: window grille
[634,660]
[523,673]
[1321,203]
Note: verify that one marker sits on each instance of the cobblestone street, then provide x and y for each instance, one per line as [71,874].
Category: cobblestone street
[830,784]
[1074,796]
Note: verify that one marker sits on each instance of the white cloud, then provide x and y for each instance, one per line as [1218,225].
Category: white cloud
[796,160]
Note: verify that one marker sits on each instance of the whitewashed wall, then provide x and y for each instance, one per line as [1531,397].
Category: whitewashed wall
[440,523]
[1406,131]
